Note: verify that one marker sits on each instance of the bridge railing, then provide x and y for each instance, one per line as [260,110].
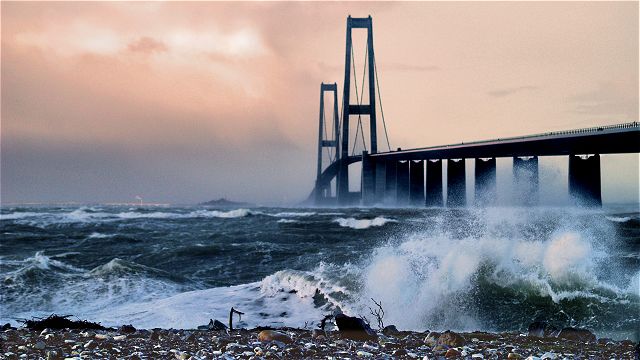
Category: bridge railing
[628,125]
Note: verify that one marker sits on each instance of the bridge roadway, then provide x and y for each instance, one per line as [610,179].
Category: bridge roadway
[612,139]
[385,176]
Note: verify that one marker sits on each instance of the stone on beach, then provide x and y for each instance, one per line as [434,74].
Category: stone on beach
[317,333]
[390,330]
[576,334]
[127,329]
[213,325]
[432,338]
[452,353]
[354,328]
[272,335]
[450,338]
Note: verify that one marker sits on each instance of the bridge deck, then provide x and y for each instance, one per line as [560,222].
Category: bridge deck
[622,138]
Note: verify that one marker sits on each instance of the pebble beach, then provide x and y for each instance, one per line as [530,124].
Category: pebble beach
[129,343]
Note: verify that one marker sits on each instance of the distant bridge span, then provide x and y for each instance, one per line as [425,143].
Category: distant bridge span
[612,139]
[414,176]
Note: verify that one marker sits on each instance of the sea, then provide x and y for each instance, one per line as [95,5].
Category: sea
[465,269]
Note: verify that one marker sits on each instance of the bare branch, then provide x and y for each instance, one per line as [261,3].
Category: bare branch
[378,313]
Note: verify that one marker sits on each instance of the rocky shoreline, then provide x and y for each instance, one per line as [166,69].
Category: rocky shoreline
[287,343]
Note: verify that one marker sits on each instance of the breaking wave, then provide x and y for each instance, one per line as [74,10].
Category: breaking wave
[287,221]
[362,223]
[457,282]
[294,214]
[618,219]
[88,215]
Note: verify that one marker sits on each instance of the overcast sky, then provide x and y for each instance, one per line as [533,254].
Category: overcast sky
[185,102]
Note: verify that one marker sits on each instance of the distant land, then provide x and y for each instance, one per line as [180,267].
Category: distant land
[222,202]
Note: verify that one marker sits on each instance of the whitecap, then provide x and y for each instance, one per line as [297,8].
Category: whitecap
[362,223]
[97,235]
[237,213]
[620,219]
[18,215]
[287,221]
[294,214]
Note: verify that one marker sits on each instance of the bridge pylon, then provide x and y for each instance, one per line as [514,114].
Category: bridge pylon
[323,191]
[357,108]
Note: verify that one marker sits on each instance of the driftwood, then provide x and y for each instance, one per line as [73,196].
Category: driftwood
[378,313]
[323,322]
[231,312]
[60,322]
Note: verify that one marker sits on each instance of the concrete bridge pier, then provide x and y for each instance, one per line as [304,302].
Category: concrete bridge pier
[390,182]
[381,181]
[416,186]
[525,176]
[368,179]
[456,183]
[402,183]
[584,180]
[434,195]
[485,181]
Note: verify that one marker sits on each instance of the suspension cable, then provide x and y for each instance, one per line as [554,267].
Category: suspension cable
[338,135]
[384,123]
[324,123]
[355,81]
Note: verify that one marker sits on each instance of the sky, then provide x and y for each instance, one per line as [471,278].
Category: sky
[187,102]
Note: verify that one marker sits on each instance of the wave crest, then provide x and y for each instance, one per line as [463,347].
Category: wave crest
[360,224]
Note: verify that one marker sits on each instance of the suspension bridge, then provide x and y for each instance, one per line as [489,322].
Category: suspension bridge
[414,177]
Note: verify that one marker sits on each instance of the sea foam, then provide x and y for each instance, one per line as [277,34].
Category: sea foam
[362,223]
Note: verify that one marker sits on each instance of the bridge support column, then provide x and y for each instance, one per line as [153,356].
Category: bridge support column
[416,186]
[381,181]
[456,183]
[343,195]
[485,181]
[584,180]
[525,177]
[368,185]
[390,183]
[434,183]
[402,183]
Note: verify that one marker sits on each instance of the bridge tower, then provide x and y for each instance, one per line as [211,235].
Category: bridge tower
[349,108]
[323,191]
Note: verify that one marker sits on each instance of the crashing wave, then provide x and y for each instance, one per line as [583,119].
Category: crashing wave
[362,223]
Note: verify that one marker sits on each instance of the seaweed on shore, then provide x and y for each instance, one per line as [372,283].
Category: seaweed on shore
[54,321]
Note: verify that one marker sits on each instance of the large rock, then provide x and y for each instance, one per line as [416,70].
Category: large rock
[432,338]
[213,325]
[582,335]
[451,339]
[354,328]
[272,335]
[216,325]
[391,330]
[127,329]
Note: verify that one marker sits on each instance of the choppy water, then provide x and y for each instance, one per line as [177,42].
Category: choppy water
[464,269]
